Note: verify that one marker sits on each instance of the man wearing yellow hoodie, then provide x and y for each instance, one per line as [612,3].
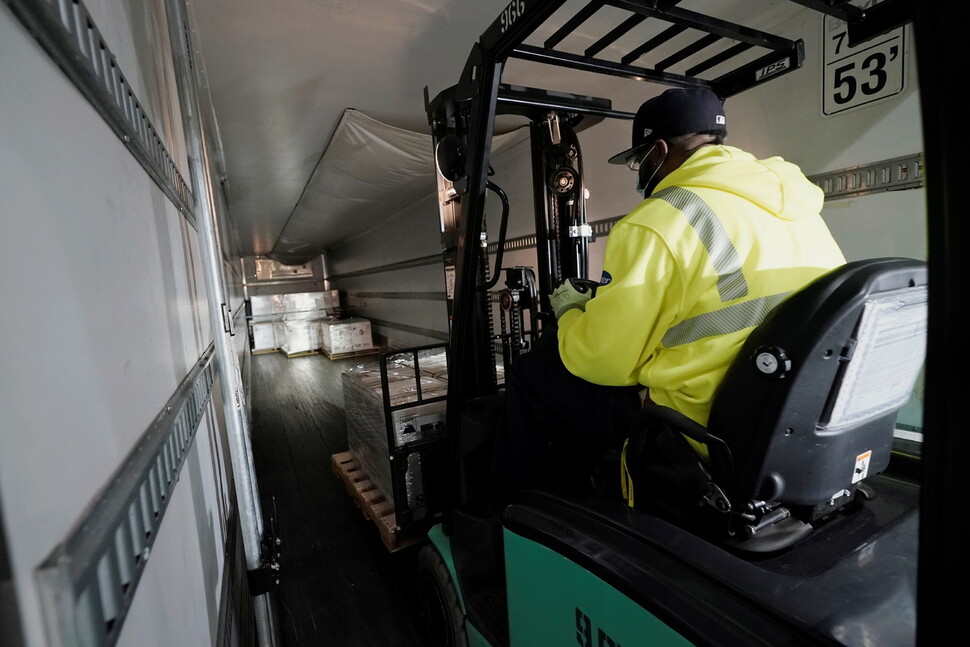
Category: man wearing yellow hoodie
[719,240]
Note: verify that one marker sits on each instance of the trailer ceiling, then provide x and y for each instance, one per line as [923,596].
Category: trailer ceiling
[282,73]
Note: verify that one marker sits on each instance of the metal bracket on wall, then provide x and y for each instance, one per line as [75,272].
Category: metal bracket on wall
[65,29]
[267,576]
[88,581]
[888,175]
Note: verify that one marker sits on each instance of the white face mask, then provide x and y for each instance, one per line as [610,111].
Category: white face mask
[645,188]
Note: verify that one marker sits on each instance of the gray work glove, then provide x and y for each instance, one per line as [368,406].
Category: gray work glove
[572,293]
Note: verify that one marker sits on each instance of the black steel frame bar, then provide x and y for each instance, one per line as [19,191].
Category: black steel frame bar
[562,106]
[599,66]
[730,83]
[462,384]
[614,34]
[693,20]
[865,23]
[484,70]
[746,77]
[940,30]
[879,19]
[573,24]
[717,59]
[385,382]
[838,8]
[540,199]
[653,43]
[690,50]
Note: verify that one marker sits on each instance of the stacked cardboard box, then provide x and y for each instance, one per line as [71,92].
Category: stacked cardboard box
[266,308]
[290,322]
[264,336]
[379,429]
[299,336]
[301,306]
[341,336]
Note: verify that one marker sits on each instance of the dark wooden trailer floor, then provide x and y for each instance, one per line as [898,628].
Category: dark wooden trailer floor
[340,585]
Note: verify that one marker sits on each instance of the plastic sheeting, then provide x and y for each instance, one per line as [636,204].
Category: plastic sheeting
[369,172]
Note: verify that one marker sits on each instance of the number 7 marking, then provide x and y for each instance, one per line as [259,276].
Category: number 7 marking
[839,39]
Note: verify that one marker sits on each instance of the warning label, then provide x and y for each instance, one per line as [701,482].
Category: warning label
[861,466]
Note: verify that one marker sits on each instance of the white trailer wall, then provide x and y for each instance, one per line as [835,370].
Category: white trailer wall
[406,305]
[104,313]
[393,274]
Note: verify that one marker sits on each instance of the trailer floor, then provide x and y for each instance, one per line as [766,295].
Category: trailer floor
[339,583]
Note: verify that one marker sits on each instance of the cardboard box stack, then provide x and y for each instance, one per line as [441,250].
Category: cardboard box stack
[264,336]
[289,322]
[368,420]
[266,311]
[341,336]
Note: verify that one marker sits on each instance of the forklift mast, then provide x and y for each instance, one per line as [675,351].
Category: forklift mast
[562,232]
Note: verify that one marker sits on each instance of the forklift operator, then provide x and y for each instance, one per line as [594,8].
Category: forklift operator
[719,240]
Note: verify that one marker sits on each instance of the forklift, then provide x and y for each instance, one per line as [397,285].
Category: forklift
[762,546]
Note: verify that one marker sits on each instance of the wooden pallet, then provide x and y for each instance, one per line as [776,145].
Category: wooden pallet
[352,353]
[371,502]
[302,353]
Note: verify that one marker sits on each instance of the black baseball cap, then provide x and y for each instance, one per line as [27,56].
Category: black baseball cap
[677,111]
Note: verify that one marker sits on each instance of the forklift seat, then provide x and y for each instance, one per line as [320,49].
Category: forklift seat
[806,411]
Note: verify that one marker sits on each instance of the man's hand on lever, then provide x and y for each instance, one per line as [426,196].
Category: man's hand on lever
[572,293]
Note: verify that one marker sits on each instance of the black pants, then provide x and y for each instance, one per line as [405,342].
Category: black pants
[557,425]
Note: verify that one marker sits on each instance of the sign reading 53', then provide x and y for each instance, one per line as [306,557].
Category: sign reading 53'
[862,74]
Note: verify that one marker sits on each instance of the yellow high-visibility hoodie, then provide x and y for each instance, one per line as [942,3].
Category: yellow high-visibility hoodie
[692,270]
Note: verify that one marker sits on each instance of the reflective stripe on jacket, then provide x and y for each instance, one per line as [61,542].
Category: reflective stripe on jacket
[692,270]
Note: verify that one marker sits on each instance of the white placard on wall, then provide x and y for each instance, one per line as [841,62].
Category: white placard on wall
[860,75]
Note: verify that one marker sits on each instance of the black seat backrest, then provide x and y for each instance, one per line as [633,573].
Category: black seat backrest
[808,407]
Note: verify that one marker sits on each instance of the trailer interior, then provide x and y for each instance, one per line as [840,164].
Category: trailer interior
[419,176]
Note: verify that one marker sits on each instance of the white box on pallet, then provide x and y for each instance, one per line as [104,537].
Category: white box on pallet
[270,304]
[345,335]
[266,308]
[301,305]
[300,337]
[264,336]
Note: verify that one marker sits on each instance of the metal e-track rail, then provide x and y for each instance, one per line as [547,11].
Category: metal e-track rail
[65,29]
[88,582]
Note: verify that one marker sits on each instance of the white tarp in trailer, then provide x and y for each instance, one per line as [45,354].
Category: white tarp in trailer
[369,172]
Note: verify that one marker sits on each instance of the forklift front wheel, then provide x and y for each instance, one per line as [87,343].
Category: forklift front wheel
[439,601]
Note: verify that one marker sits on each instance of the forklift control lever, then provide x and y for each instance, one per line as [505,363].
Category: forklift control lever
[584,285]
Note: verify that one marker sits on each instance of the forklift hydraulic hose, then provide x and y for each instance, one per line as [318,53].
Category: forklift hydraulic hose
[501,234]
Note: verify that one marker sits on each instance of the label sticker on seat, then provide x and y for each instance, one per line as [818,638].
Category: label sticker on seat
[861,466]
